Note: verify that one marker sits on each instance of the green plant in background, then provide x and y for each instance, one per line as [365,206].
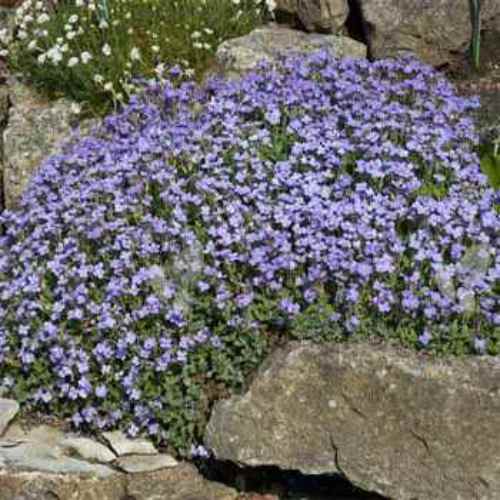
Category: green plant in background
[95,51]
[475,16]
[490,161]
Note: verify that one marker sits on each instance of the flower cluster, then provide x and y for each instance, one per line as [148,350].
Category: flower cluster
[93,49]
[150,257]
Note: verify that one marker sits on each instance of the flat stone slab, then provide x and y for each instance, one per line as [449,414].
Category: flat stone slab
[122,445]
[9,408]
[145,463]
[88,449]
[36,456]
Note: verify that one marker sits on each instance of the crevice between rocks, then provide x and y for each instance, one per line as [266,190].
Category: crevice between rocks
[284,484]
[357,27]
[5,105]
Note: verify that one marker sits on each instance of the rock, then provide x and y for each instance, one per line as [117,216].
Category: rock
[88,449]
[145,463]
[270,42]
[42,449]
[433,29]
[8,410]
[390,420]
[17,485]
[122,445]
[178,483]
[41,457]
[36,129]
[34,465]
[323,16]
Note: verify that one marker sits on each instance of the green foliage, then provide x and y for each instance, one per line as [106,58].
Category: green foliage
[95,54]
[490,163]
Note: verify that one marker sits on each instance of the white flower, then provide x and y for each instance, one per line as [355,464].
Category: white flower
[236,2]
[159,69]
[32,45]
[41,58]
[55,54]
[73,19]
[42,18]
[79,3]
[108,86]
[98,78]
[39,6]
[135,55]
[195,35]
[73,61]
[155,49]
[106,49]
[91,7]
[75,108]
[4,53]
[103,24]
[65,48]
[22,35]
[86,57]
[70,35]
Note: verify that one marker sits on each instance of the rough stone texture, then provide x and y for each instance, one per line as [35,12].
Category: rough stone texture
[36,129]
[88,449]
[269,43]
[323,16]
[8,410]
[393,422]
[179,483]
[430,28]
[122,445]
[145,463]
[34,465]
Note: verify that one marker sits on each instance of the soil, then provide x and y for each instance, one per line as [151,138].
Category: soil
[484,81]
[487,77]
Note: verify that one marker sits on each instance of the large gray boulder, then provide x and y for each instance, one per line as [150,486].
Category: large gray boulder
[324,16]
[271,42]
[392,421]
[430,28]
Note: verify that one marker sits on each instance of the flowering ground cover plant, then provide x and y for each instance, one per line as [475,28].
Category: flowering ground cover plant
[327,199]
[92,50]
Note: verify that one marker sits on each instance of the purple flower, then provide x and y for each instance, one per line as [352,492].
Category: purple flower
[289,307]
[425,338]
